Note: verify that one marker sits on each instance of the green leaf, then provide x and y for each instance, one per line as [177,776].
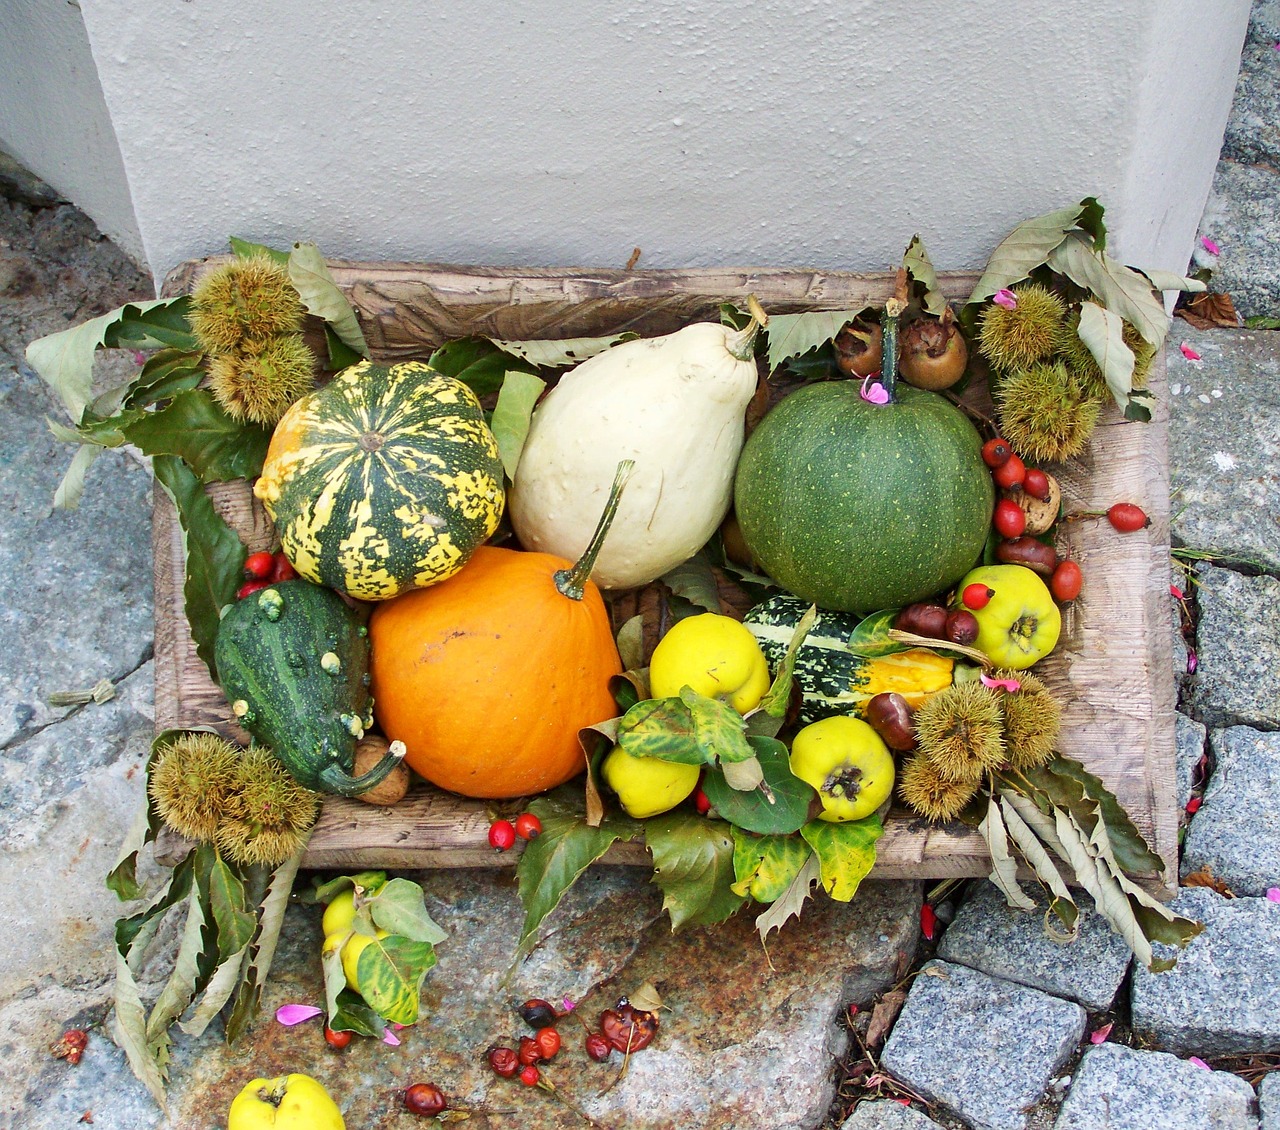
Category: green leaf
[401,908]
[1024,249]
[243,249]
[1135,410]
[214,555]
[660,727]
[65,360]
[335,977]
[693,867]
[1131,850]
[791,901]
[1262,322]
[71,489]
[370,882]
[564,353]
[871,639]
[718,729]
[695,581]
[846,852]
[778,697]
[552,862]
[476,362]
[782,806]
[766,866]
[321,296]
[390,972]
[160,327]
[350,1013]
[164,375]
[182,984]
[236,926]
[1117,287]
[1103,334]
[793,335]
[195,428]
[511,416]
[920,270]
[1091,213]
[341,355]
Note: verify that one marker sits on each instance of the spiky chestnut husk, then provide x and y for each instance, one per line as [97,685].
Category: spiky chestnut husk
[1043,414]
[961,732]
[931,794]
[268,815]
[1084,368]
[260,386]
[191,782]
[244,300]
[1014,339]
[1032,721]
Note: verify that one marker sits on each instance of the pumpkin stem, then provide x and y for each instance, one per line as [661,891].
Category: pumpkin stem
[573,582]
[742,343]
[889,329]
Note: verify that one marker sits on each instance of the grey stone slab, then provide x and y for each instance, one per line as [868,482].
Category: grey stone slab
[1237,681]
[1124,1089]
[991,936]
[1223,996]
[885,1114]
[1224,442]
[1240,217]
[983,1047]
[1269,1102]
[20,184]
[1253,129]
[1236,833]
[1191,746]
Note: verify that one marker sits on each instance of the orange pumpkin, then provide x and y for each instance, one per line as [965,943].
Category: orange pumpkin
[487,677]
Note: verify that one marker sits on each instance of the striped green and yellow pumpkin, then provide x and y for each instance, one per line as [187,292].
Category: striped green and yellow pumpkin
[384,480]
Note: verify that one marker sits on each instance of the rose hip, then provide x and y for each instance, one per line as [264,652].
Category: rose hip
[996,452]
[1127,518]
[504,1061]
[976,596]
[257,566]
[1036,484]
[598,1046]
[1066,581]
[1010,474]
[1009,519]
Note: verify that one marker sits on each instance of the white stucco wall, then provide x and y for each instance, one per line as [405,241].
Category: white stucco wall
[53,118]
[557,132]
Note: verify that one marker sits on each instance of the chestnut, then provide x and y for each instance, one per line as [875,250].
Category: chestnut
[890,716]
[1035,555]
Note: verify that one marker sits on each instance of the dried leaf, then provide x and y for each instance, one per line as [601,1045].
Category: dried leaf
[743,776]
[1024,249]
[631,643]
[646,998]
[920,270]
[792,900]
[564,353]
[1119,288]
[1206,878]
[1210,311]
[222,986]
[1033,851]
[696,582]
[1167,280]
[1103,334]
[71,489]
[1004,870]
[130,1032]
[183,981]
[321,296]
[883,1015]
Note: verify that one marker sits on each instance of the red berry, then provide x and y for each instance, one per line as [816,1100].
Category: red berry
[976,596]
[1066,581]
[598,1046]
[1036,484]
[425,1099]
[282,570]
[529,1051]
[1126,517]
[337,1040]
[538,1013]
[528,826]
[1010,473]
[530,1076]
[504,1061]
[548,1041]
[996,452]
[701,802]
[502,834]
[257,566]
[1009,519]
[928,921]
[1193,805]
[250,587]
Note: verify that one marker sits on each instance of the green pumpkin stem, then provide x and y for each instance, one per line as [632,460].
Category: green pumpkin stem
[889,365]
[742,343]
[573,582]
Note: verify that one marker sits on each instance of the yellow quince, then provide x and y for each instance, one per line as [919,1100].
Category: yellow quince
[715,655]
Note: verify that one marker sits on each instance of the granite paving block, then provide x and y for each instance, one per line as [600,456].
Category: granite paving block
[1253,130]
[1236,833]
[1241,218]
[1223,996]
[1269,1102]
[1121,1088]
[1191,746]
[983,1047]
[885,1114]
[991,936]
[1238,680]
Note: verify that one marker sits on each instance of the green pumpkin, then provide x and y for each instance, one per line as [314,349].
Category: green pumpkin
[857,506]
[384,480]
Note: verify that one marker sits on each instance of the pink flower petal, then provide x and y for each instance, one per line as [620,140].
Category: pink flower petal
[873,393]
[139,358]
[1006,298]
[291,1014]
[567,1004]
[398,1027]
[1199,1063]
[1193,661]
[1099,1035]
[1273,894]
[1189,353]
[1177,593]
[1009,685]
[389,1037]
[1210,246]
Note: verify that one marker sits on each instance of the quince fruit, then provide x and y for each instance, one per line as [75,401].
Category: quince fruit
[848,763]
[647,786]
[291,1102]
[351,951]
[715,655]
[1020,624]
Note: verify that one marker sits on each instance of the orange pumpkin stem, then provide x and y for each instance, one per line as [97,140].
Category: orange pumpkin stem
[573,582]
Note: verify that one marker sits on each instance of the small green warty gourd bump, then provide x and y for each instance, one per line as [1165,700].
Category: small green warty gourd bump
[330,663]
[239,708]
[353,725]
[363,630]
[271,603]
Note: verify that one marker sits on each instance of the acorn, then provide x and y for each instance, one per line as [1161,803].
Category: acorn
[1015,338]
[1043,414]
[960,730]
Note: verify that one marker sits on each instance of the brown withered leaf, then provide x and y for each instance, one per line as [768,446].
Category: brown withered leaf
[1208,311]
[1206,878]
[883,1015]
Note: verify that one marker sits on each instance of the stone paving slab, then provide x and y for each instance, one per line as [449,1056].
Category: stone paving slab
[983,1047]
[1240,217]
[1224,441]
[1236,833]
[1121,1088]
[1237,682]
[990,936]
[1253,130]
[1223,997]
[1191,736]
[1269,1102]
[885,1114]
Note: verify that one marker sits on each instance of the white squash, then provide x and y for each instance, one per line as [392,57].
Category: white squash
[676,405]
